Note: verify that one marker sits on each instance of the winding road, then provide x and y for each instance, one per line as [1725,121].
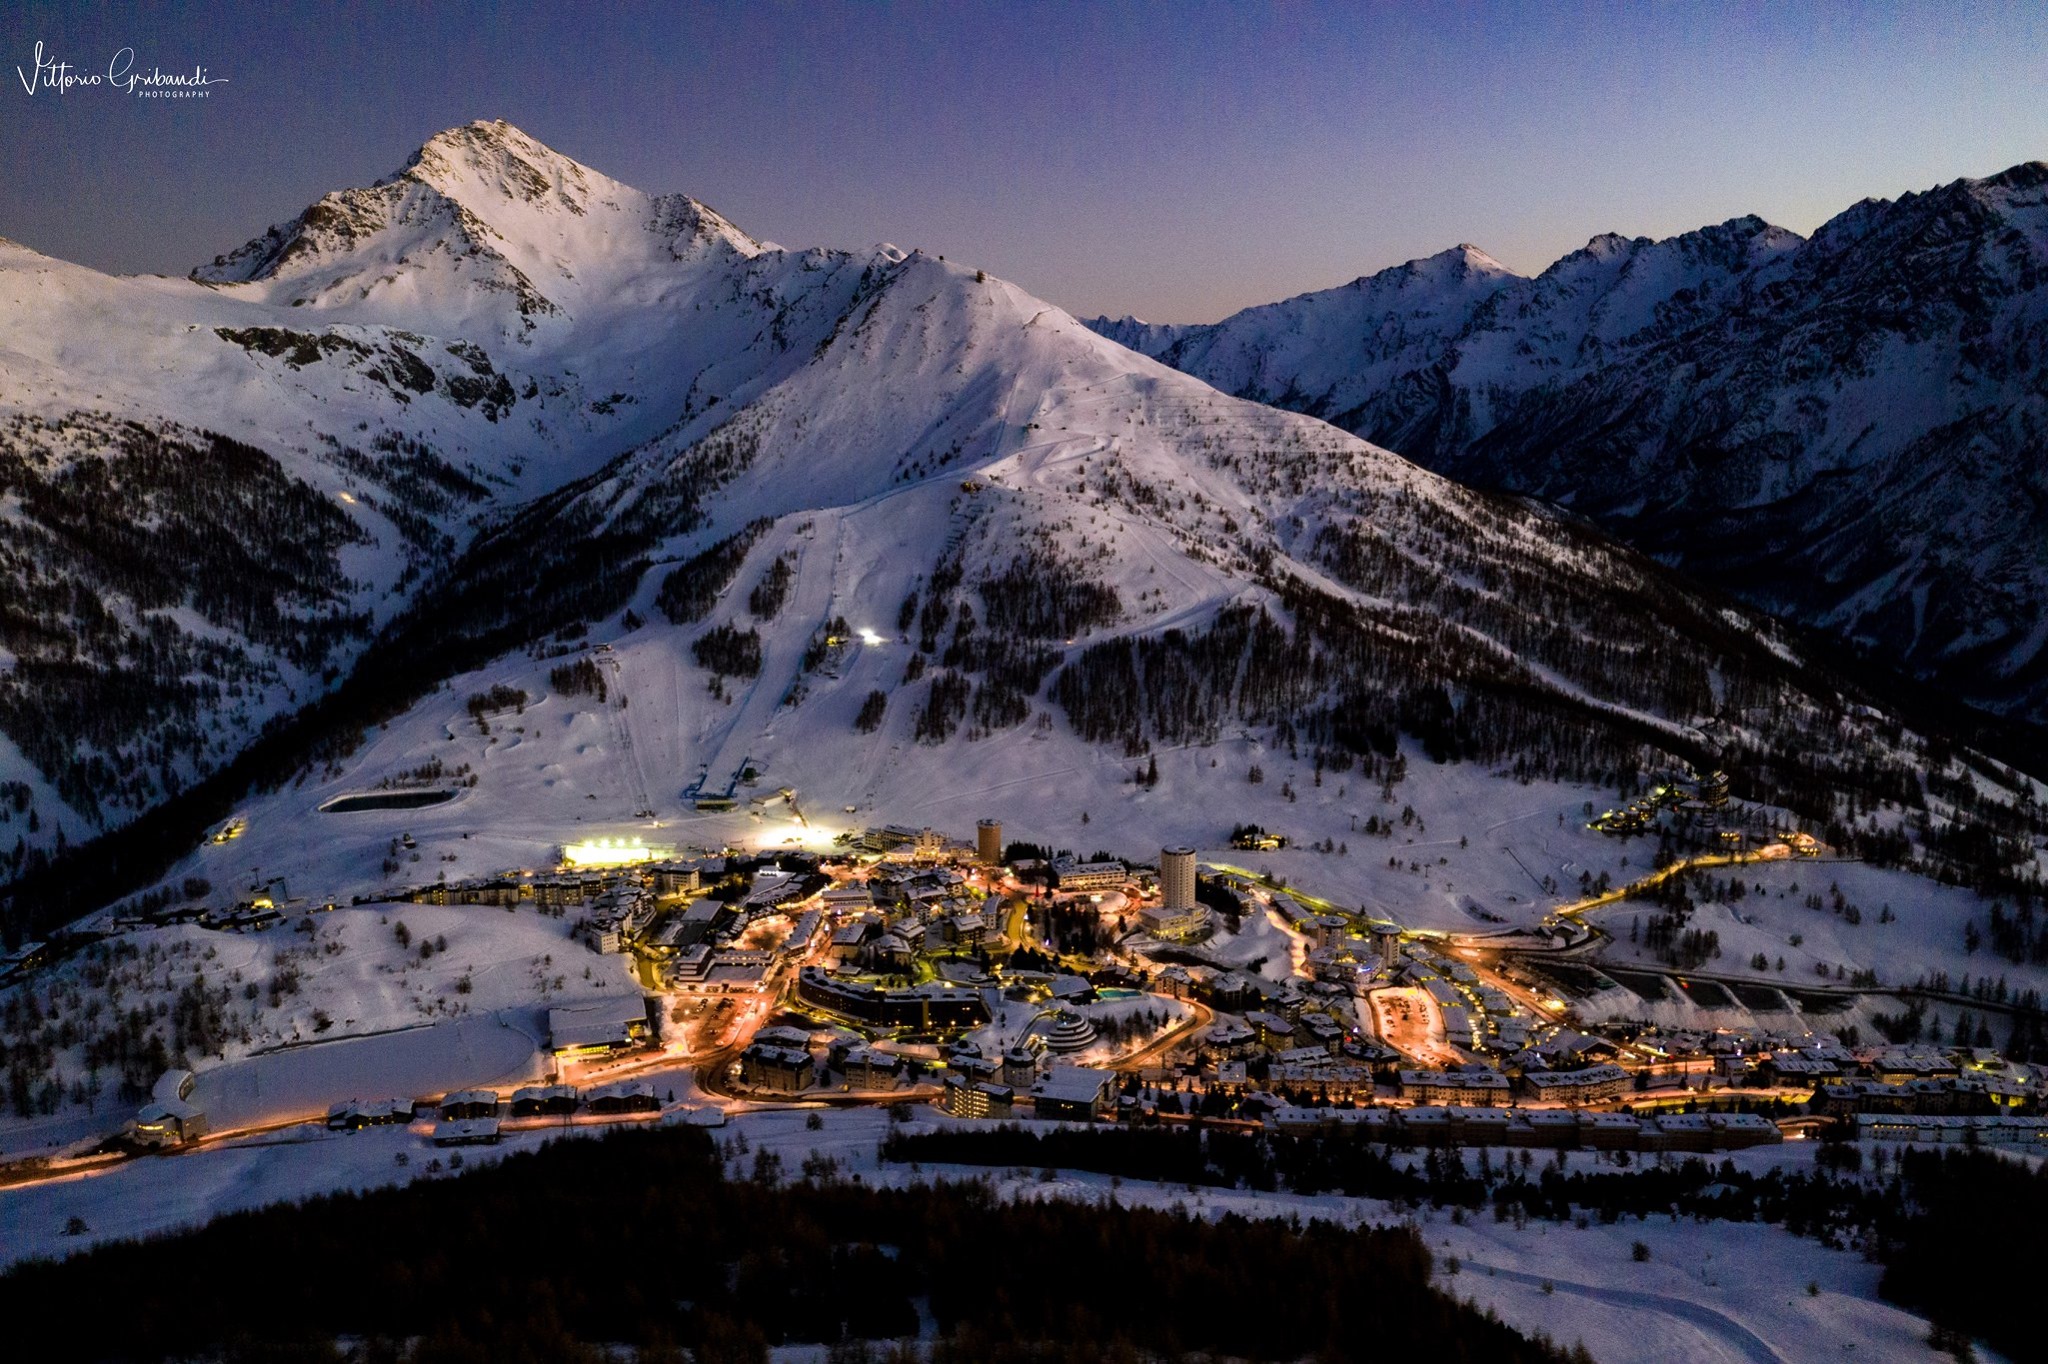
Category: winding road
[1746,1343]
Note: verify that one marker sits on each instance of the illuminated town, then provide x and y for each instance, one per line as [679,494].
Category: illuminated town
[993,978]
[1024,684]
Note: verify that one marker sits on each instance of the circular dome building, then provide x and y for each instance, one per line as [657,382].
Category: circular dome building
[1070,1033]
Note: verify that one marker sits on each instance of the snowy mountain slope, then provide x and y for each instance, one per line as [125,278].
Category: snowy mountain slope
[971,559]
[864,509]
[1116,476]
[373,374]
[1331,352]
[1844,430]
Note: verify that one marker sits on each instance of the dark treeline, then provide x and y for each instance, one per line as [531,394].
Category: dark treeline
[1347,1161]
[581,678]
[424,491]
[1963,1199]
[768,596]
[729,651]
[113,704]
[872,708]
[1912,1211]
[944,706]
[1250,667]
[1042,596]
[690,589]
[547,1253]
[1526,1184]
[500,696]
[1034,602]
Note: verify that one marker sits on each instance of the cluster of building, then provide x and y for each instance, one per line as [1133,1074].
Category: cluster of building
[473,1117]
[1909,1081]
[1702,794]
[1544,1128]
[785,1060]
[1843,1079]
[1485,1087]
[1063,1093]
[1478,1017]
[1956,1130]
[548,889]
[934,1007]
[1295,1044]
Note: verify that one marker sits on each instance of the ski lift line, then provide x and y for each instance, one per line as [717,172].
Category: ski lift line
[622,726]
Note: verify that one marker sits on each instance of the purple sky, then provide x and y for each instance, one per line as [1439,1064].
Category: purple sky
[1174,160]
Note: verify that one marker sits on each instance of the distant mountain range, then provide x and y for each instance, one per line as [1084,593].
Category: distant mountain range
[498,405]
[1849,430]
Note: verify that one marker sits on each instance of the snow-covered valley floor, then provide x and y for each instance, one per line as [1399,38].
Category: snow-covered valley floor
[1710,1292]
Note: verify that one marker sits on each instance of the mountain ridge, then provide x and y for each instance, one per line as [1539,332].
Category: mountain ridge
[1003,525]
[1733,399]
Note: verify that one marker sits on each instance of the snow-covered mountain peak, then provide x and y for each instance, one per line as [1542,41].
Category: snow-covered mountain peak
[485,232]
[2014,189]
[482,163]
[1608,245]
[1461,261]
[2026,175]
[1756,239]
[1146,338]
[1706,393]
[1744,240]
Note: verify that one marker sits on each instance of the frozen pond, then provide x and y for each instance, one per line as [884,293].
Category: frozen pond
[385,800]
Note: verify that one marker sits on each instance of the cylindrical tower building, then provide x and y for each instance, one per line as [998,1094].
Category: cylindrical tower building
[1177,878]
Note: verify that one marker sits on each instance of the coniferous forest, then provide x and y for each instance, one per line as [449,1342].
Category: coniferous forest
[1911,1211]
[641,1238]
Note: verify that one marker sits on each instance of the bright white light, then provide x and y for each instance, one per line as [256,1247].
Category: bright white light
[346,498]
[869,637]
[610,852]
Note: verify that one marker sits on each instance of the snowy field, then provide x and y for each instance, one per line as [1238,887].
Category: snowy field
[569,769]
[493,1052]
[1924,935]
[1719,1292]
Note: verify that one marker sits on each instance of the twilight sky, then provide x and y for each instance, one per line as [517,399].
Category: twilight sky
[1175,160]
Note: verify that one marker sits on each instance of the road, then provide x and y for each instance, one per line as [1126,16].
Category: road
[1017,923]
[1315,902]
[1146,1055]
[1775,852]
[1713,1322]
